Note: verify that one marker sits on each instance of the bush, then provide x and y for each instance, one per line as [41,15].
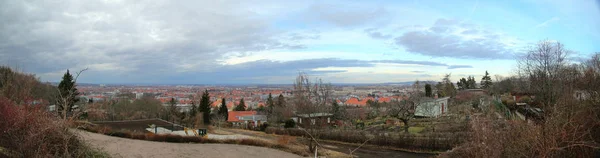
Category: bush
[290,123]
[525,99]
[29,131]
[431,141]
[264,126]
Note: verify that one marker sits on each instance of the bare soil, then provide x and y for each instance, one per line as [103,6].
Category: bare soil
[122,147]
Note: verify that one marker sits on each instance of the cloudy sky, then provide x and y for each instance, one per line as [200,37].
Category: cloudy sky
[224,42]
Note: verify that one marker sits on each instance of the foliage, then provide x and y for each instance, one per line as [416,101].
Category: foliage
[241,106]
[270,104]
[24,88]
[428,92]
[445,88]
[290,124]
[426,142]
[205,107]
[468,83]
[486,81]
[337,111]
[223,111]
[29,131]
[68,90]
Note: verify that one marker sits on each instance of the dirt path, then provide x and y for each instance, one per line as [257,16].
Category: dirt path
[122,147]
[363,152]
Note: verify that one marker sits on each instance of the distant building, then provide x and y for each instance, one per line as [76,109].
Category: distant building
[139,95]
[246,119]
[314,119]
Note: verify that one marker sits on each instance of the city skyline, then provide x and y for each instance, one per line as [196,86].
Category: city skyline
[270,42]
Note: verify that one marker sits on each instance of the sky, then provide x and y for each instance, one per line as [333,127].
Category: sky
[270,42]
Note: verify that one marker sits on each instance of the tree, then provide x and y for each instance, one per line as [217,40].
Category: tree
[280,101]
[336,110]
[446,88]
[223,111]
[68,91]
[241,106]
[486,81]
[270,105]
[428,90]
[173,109]
[310,99]
[194,110]
[542,66]
[405,110]
[205,107]
[472,84]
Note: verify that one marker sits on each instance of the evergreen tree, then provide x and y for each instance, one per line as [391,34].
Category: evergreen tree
[336,111]
[448,86]
[270,104]
[205,107]
[223,111]
[172,109]
[280,101]
[428,90]
[471,82]
[194,110]
[486,81]
[241,106]
[68,92]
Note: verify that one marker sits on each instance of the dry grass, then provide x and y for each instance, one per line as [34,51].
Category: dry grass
[285,139]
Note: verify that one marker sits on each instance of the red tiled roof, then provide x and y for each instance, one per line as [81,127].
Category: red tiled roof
[385,99]
[234,115]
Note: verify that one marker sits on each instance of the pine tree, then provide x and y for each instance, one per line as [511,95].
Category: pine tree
[336,111]
[241,106]
[68,92]
[205,107]
[427,90]
[194,110]
[223,111]
[486,81]
[270,104]
[471,82]
[280,101]
[172,109]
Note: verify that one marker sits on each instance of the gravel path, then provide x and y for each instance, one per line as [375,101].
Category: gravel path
[122,147]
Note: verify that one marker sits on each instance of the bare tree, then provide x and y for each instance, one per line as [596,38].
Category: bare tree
[405,110]
[311,99]
[542,66]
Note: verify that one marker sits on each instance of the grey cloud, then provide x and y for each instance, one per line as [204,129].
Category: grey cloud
[417,71]
[252,72]
[441,41]
[373,33]
[459,66]
[425,63]
[347,14]
[143,37]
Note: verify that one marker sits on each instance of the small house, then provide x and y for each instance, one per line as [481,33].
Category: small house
[314,119]
[432,107]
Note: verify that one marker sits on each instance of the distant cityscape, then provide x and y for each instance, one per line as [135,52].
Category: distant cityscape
[253,95]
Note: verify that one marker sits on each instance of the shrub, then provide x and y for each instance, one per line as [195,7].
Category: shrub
[290,123]
[525,99]
[264,126]
[29,131]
